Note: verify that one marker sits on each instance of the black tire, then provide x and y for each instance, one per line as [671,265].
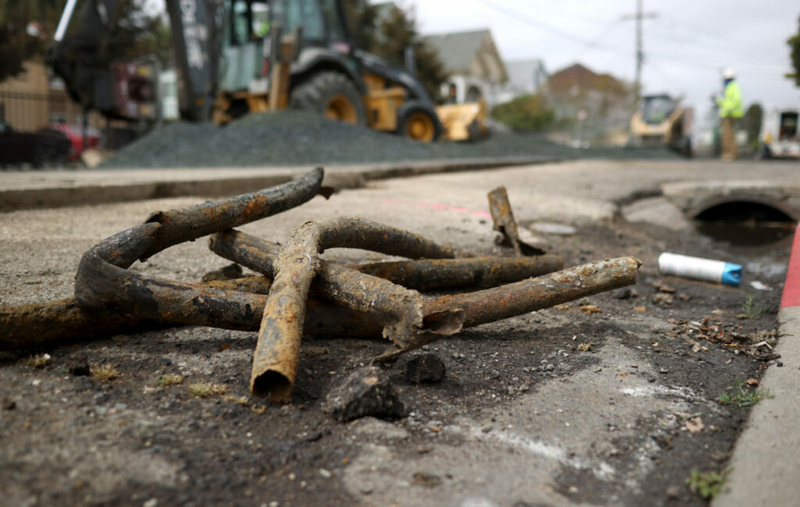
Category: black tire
[411,109]
[316,93]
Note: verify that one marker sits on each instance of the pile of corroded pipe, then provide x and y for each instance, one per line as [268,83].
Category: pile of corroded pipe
[297,292]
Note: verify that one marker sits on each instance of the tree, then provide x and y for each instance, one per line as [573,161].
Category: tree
[362,20]
[388,33]
[528,112]
[794,44]
[25,27]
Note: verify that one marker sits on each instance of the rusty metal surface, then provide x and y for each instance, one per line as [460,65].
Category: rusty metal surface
[503,217]
[187,224]
[110,297]
[424,275]
[530,295]
[543,292]
[92,288]
[61,322]
[278,347]
[104,283]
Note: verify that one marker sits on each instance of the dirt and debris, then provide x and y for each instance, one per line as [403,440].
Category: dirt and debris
[106,287]
[601,424]
[425,369]
[365,392]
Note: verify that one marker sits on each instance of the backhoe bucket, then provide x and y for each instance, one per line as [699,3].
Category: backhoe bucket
[463,122]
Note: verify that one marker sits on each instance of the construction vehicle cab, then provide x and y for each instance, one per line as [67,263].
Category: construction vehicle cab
[326,73]
[660,121]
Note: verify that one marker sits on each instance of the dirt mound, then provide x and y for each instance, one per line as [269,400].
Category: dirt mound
[288,138]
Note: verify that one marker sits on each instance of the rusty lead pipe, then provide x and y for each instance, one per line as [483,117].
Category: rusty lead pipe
[278,347]
[530,295]
[104,282]
[188,224]
[537,293]
[236,304]
[423,275]
[503,217]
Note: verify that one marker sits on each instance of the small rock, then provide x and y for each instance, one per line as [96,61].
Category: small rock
[325,474]
[674,492]
[425,369]
[662,298]
[550,367]
[624,293]
[150,503]
[365,392]
[426,479]
[662,287]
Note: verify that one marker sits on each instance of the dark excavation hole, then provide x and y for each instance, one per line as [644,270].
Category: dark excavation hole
[742,211]
[745,223]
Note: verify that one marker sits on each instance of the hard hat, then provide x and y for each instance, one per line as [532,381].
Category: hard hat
[728,73]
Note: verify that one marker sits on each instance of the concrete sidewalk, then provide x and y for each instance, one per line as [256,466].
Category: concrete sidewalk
[766,460]
[766,467]
[54,189]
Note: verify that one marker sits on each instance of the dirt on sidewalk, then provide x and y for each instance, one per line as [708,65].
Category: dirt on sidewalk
[612,400]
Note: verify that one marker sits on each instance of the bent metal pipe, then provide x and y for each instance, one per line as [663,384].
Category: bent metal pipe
[298,263]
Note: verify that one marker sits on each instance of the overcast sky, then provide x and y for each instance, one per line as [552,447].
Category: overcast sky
[685,46]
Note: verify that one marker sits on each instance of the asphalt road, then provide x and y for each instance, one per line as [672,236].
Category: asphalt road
[605,427]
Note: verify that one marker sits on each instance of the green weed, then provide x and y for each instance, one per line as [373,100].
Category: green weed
[744,396]
[749,308]
[707,484]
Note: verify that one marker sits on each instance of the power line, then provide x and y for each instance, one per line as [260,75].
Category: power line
[524,18]
[720,45]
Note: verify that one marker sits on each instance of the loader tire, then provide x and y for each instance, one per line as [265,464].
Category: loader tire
[331,94]
[416,122]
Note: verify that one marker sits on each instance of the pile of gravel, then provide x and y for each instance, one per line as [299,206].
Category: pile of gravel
[288,138]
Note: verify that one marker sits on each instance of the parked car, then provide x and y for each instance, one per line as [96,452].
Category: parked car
[35,148]
[75,135]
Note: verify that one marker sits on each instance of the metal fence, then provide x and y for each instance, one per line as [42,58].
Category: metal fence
[29,111]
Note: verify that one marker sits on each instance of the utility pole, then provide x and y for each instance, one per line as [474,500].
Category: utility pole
[638,17]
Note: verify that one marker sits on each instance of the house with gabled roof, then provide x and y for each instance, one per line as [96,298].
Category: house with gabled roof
[476,69]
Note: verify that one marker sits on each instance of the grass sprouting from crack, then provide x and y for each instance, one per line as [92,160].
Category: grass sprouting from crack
[744,396]
[749,308]
[206,389]
[169,379]
[39,360]
[103,371]
[707,484]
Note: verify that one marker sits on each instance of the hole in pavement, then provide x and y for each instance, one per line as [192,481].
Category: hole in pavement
[745,223]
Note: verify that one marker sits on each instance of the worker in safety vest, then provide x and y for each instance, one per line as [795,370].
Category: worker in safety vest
[730,110]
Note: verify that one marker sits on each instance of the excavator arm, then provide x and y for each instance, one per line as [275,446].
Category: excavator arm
[129,90]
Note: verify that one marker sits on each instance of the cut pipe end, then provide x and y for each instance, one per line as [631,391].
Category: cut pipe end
[272,384]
